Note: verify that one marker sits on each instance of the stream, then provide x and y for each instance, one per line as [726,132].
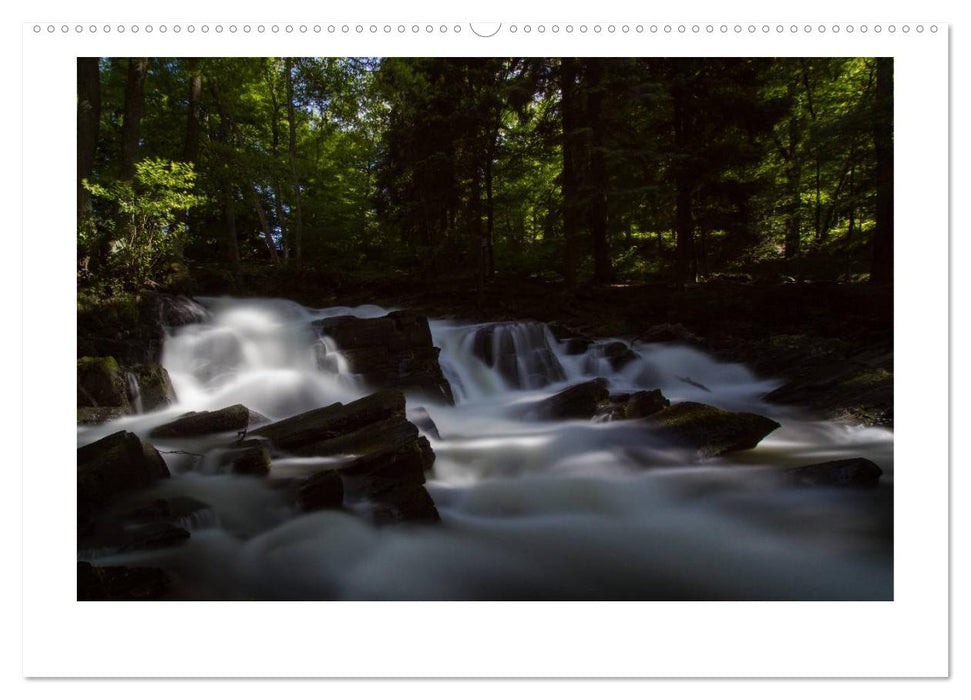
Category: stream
[541,510]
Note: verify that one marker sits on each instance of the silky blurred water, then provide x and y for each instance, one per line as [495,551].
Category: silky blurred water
[531,510]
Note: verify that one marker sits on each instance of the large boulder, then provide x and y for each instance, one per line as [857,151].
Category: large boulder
[390,352]
[102,384]
[322,491]
[154,386]
[578,401]
[708,430]
[122,583]
[520,352]
[640,404]
[841,472]
[114,465]
[235,418]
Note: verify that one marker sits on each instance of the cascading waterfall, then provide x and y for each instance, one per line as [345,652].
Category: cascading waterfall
[564,509]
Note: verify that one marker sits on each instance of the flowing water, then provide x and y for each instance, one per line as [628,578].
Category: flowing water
[567,509]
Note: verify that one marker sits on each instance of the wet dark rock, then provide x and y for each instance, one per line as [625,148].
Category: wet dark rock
[408,503]
[232,418]
[391,352]
[114,465]
[578,401]
[101,384]
[389,456]
[845,391]
[302,434]
[708,430]
[248,461]
[178,510]
[122,583]
[520,352]
[619,354]
[322,491]
[842,472]
[419,416]
[644,403]
[154,386]
[576,346]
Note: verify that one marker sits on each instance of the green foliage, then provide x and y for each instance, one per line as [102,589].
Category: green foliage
[146,228]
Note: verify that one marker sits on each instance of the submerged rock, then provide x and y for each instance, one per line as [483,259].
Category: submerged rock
[114,465]
[841,472]
[250,460]
[520,352]
[391,352]
[232,418]
[619,355]
[122,582]
[708,430]
[578,401]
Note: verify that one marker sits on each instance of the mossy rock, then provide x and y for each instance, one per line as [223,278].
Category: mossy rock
[578,401]
[154,386]
[101,383]
[113,465]
[708,430]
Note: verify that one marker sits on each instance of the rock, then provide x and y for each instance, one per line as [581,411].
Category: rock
[576,346]
[520,352]
[324,490]
[644,403]
[841,472]
[708,430]
[93,415]
[391,352]
[309,433]
[182,511]
[619,354]
[101,383]
[232,418]
[116,464]
[578,401]
[122,583]
[253,460]
[154,386]
[419,416]
[670,333]
[842,391]
[388,456]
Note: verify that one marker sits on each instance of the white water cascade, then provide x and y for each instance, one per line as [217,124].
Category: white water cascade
[568,509]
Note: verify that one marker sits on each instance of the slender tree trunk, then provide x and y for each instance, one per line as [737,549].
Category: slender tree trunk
[134,106]
[881,271]
[571,181]
[477,235]
[294,181]
[490,214]
[89,120]
[598,175]
[264,224]
[230,244]
[683,183]
[190,150]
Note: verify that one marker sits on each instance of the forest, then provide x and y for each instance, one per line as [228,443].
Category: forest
[573,171]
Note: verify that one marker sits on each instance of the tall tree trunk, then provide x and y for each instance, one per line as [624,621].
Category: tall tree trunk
[89,119]
[490,214]
[598,174]
[571,180]
[881,271]
[190,150]
[683,184]
[477,236]
[134,106]
[294,182]
[230,241]
[264,224]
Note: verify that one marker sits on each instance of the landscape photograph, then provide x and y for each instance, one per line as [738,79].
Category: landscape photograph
[485,329]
